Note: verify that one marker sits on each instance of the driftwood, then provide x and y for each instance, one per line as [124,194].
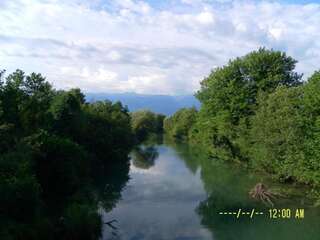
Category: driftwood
[110,224]
[262,193]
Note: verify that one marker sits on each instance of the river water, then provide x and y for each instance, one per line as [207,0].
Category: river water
[177,192]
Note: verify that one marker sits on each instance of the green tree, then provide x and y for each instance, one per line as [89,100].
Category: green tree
[19,194]
[278,134]
[1,89]
[285,133]
[25,100]
[179,125]
[12,98]
[66,113]
[159,122]
[107,132]
[39,95]
[229,98]
[312,129]
[53,145]
[145,122]
[61,165]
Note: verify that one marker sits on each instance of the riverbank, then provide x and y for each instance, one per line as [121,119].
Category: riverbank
[290,189]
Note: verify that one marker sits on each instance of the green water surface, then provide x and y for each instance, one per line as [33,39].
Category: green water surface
[177,192]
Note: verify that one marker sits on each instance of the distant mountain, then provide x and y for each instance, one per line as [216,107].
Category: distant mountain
[164,104]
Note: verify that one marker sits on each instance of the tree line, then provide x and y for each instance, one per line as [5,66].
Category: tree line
[257,110]
[60,156]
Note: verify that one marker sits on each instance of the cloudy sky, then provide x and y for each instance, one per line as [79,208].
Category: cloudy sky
[151,46]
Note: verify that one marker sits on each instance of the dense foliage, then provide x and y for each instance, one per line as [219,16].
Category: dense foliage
[257,110]
[285,133]
[178,125]
[145,123]
[53,145]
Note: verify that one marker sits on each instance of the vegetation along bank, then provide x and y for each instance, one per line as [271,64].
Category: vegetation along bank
[257,110]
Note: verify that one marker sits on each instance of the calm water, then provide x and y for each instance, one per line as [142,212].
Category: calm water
[175,192]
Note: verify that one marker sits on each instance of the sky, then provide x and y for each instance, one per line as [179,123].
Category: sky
[150,47]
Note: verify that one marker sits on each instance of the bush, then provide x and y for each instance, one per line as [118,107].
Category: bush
[180,123]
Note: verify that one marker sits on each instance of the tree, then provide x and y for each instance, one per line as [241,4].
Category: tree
[19,189]
[145,122]
[107,130]
[286,132]
[179,125]
[53,146]
[39,95]
[25,100]
[66,113]
[229,98]
[1,89]
[19,194]
[311,103]
[159,122]
[12,98]
[278,134]
[61,165]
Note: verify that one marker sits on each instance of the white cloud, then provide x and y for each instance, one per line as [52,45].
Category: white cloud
[205,17]
[114,55]
[150,83]
[276,32]
[131,45]
[98,80]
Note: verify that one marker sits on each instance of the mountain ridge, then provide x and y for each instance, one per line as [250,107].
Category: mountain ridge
[164,104]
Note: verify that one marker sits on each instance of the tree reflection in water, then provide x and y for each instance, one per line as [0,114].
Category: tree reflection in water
[227,187]
[144,156]
[79,217]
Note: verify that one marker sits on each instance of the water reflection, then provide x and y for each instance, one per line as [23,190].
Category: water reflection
[227,187]
[144,156]
[160,202]
[176,192]
[77,216]
[109,183]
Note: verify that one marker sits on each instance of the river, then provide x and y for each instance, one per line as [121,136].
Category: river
[177,192]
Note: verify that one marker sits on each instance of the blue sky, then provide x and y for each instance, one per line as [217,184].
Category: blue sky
[153,47]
